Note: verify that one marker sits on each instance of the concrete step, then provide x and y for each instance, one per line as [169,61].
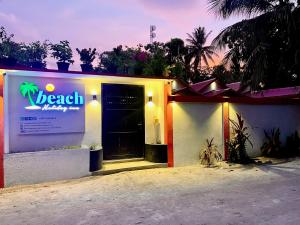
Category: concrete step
[127,166]
[122,160]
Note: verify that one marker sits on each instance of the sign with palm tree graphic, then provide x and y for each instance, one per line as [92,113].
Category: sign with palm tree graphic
[47,100]
[27,89]
[46,105]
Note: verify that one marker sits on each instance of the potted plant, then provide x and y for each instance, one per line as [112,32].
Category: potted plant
[292,147]
[9,56]
[8,49]
[23,56]
[63,53]
[96,157]
[210,155]
[272,144]
[237,145]
[37,53]
[87,56]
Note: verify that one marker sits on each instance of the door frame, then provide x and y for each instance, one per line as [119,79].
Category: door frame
[143,114]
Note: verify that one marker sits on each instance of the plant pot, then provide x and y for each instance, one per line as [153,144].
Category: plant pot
[157,153]
[38,65]
[63,66]
[86,67]
[96,159]
[8,61]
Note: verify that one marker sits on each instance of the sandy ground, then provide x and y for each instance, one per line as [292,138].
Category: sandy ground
[267,194]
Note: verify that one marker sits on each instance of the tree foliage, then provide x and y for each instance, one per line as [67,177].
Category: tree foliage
[62,51]
[197,50]
[174,59]
[265,47]
[87,56]
[8,47]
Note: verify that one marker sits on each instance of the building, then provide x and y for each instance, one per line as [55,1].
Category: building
[51,118]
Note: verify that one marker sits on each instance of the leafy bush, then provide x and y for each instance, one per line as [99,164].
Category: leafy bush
[210,155]
[87,56]
[62,52]
[292,147]
[26,55]
[237,145]
[272,145]
[157,62]
[119,60]
[37,52]
[23,56]
[8,48]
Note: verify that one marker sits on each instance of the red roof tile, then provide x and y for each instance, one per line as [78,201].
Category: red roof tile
[276,92]
[201,85]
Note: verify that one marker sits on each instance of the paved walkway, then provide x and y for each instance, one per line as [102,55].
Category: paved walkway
[188,195]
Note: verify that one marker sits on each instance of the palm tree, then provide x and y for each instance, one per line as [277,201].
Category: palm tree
[27,89]
[226,8]
[268,37]
[198,50]
[175,50]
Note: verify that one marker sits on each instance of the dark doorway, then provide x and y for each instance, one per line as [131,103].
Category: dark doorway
[123,128]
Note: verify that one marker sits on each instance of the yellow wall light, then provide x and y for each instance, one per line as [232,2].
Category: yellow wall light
[94,92]
[94,95]
[94,103]
[150,98]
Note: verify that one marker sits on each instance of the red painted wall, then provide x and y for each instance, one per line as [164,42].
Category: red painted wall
[170,135]
[1,134]
[169,125]
[226,128]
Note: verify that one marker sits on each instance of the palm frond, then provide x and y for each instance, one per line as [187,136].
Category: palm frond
[207,35]
[256,65]
[205,59]
[208,55]
[232,54]
[247,31]
[226,8]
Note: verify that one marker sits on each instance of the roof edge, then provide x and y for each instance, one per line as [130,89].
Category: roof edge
[19,68]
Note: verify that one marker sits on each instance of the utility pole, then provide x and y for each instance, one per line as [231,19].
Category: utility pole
[152,33]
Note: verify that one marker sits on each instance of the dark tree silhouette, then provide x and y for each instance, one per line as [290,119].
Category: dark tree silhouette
[197,50]
[266,44]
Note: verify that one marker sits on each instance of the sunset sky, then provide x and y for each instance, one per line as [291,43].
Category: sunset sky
[104,24]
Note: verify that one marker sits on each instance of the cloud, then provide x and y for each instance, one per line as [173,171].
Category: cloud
[105,24]
[173,18]
[173,14]
[23,30]
[8,17]
[170,4]
[67,13]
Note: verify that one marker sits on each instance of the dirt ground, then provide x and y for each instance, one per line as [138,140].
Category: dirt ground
[266,194]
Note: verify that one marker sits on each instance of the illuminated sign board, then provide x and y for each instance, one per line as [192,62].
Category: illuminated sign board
[46,105]
[46,100]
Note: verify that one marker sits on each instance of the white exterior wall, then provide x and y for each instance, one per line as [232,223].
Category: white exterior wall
[93,117]
[37,167]
[193,123]
[260,117]
[93,111]
[38,164]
